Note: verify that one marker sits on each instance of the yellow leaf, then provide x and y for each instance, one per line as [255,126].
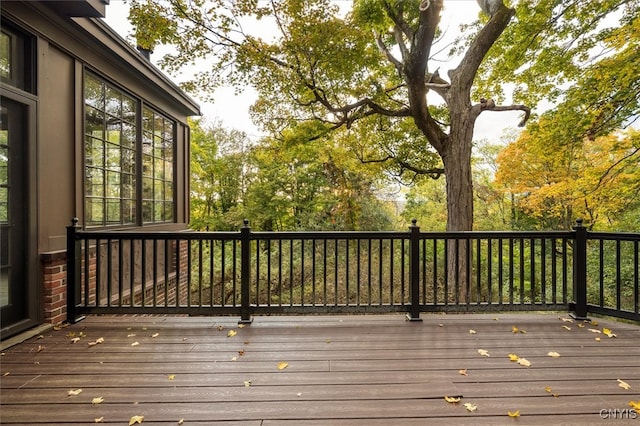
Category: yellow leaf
[172,377]
[472,331]
[484,352]
[470,407]
[231,333]
[513,357]
[566,327]
[247,383]
[452,399]
[624,385]
[99,419]
[282,365]
[580,325]
[74,392]
[594,323]
[241,326]
[553,354]
[524,362]
[136,419]
[513,414]
[515,329]
[97,400]
[548,389]
[567,319]
[463,372]
[635,405]
[595,330]
[597,339]
[135,343]
[608,332]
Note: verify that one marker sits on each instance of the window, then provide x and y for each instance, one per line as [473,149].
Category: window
[112,158]
[157,168]
[16,59]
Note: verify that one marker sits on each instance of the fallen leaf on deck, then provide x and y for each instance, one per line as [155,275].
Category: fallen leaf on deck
[97,400]
[608,332]
[75,340]
[524,362]
[567,319]
[247,383]
[74,392]
[472,331]
[440,325]
[513,357]
[597,339]
[299,394]
[566,327]
[463,372]
[154,335]
[6,374]
[136,419]
[595,330]
[171,377]
[220,327]
[135,343]
[241,352]
[624,385]
[470,407]
[594,323]
[553,354]
[99,419]
[234,358]
[40,348]
[513,414]
[635,405]
[282,365]
[181,421]
[97,341]
[241,326]
[515,329]
[581,325]
[484,352]
[131,335]
[452,399]
[231,333]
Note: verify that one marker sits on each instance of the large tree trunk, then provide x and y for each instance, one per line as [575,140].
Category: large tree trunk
[459,184]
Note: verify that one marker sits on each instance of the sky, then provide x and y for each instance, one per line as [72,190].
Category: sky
[233,109]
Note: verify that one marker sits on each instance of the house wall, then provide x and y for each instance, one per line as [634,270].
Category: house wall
[66,47]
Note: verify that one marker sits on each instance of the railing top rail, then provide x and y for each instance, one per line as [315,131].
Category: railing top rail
[495,234]
[157,235]
[624,236]
[329,235]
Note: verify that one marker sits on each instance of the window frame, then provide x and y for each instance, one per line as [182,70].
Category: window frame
[135,172]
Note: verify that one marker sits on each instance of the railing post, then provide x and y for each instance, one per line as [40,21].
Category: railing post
[414,271]
[245,273]
[580,271]
[73,270]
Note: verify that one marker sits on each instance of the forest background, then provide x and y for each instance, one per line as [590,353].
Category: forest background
[577,157]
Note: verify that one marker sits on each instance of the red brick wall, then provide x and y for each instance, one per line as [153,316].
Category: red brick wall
[54,267]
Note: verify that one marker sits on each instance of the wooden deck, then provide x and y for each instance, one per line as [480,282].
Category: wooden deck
[340,370]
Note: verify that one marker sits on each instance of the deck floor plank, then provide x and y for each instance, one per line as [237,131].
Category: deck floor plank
[341,370]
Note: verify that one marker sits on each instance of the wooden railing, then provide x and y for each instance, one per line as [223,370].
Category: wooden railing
[249,273]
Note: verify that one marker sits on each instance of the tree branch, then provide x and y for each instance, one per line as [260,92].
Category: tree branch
[489,105]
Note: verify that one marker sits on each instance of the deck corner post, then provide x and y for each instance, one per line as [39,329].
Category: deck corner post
[414,271]
[245,273]
[73,270]
[580,270]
